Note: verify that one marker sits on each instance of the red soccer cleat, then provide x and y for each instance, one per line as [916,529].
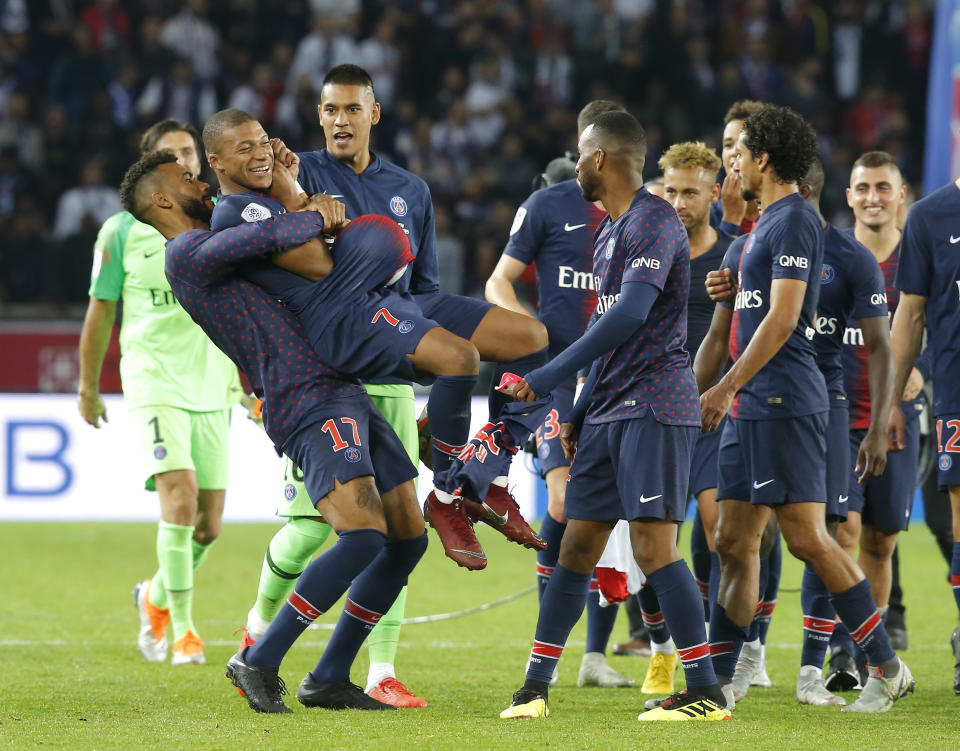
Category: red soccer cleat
[392,691]
[245,640]
[500,511]
[455,531]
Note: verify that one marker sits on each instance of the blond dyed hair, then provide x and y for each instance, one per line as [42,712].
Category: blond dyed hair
[691,155]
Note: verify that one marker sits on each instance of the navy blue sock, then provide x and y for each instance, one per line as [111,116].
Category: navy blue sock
[370,596]
[319,587]
[562,606]
[726,639]
[552,531]
[714,579]
[772,589]
[600,620]
[841,639]
[652,614]
[955,573]
[818,618]
[448,408]
[700,556]
[678,595]
[521,366]
[857,609]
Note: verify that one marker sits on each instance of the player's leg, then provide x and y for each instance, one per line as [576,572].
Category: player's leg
[396,403]
[876,551]
[703,485]
[551,529]
[954,491]
[663,660]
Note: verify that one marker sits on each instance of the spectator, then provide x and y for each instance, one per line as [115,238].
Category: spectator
[87,205]
[193,37]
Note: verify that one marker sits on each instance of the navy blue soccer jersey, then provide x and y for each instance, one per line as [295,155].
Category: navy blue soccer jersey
[851,288]
[787,243]
[651,370]
[700,306]
[386,189]
[554,229]
[264,339]
[930,266]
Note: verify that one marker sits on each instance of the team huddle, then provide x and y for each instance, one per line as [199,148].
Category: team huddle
[723,342]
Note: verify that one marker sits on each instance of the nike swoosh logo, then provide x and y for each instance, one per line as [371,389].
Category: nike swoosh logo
[843,498]
[758,485]
[644,499]
[572,227]
[954,240]
[500,520]
[151,255]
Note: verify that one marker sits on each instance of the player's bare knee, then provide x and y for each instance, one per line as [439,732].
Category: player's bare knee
[464,358]
[535,336]
[878,543]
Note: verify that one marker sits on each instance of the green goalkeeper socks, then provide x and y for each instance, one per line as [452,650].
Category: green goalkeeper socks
[175,554]
[158,590]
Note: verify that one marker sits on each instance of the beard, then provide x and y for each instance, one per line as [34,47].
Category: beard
[589,186]
[748,195]
[195,208]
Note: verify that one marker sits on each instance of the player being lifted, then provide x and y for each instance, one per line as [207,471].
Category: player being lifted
[640,424]
[773,448]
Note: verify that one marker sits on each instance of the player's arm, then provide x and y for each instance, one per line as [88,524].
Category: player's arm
[425,270]
[872,456]
[905,337]
[786,304]
[499,288]
[714,349]
[94,340]
[611,330]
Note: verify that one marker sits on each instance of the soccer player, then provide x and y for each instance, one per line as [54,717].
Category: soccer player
[879,509]
[640,423]
[773,448]
[325,423]
[732,214]
[928,279]
[367,183]
[554,230]
[179,390]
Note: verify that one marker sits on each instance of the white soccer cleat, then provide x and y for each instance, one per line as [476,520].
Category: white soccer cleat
[152,621]
[555,678]
[749,664]
[810,689]
[881,692]
[761,678]
[188,650]
[594,671]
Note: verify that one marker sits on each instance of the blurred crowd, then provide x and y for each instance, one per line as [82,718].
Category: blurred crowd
[478,95]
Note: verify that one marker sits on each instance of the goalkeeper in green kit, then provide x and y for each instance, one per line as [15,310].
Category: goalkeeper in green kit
[179,389]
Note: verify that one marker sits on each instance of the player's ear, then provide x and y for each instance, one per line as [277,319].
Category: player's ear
[715,193]
[849,202]
[161,199]
[763,160]
[214,161]
[375,114]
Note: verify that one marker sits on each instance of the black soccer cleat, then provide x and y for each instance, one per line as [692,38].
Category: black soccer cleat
[336,695]
[955,646]
[263,689]
[843,674]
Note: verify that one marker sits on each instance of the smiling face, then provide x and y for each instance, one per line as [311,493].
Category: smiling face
[243,159]
[731,132]
[347,114]
[875,195]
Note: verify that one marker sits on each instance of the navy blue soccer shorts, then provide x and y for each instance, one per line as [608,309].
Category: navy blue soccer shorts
[773,462]
[372,340]
[549,449]
[456,313]
[703,467]
[838,459]
[886,501]
[344,439]
[630,469]
[948,450]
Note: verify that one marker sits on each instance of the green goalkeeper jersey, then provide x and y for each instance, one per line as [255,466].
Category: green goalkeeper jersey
[165,357]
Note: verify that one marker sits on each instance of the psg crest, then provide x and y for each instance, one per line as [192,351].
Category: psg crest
[946,462]
[827,274]
[160,452]
[398,206]
[352,454]
[289,492]
[405,327]
[611,244]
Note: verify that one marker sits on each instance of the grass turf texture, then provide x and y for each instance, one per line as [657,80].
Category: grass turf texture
[73,678]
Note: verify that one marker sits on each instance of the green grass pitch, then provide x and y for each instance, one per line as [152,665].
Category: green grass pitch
[72,679]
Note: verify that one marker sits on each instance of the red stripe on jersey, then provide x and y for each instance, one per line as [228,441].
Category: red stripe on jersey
[694,653]
[820,625]
[303,607]
[361,613]
[867,627]
[544,570]
[543,649]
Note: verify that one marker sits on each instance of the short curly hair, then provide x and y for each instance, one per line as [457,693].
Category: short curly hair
[131,196]
[690,155]
[742,110]
[786,137]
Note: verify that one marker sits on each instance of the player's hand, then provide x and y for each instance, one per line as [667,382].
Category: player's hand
[569,436]
[734,207]
[254,408]
[91,407]
[334,213]
[522,392]
[872,456]
[721,286]
[896,429]
[715,402]
[287,158]
[914,386]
